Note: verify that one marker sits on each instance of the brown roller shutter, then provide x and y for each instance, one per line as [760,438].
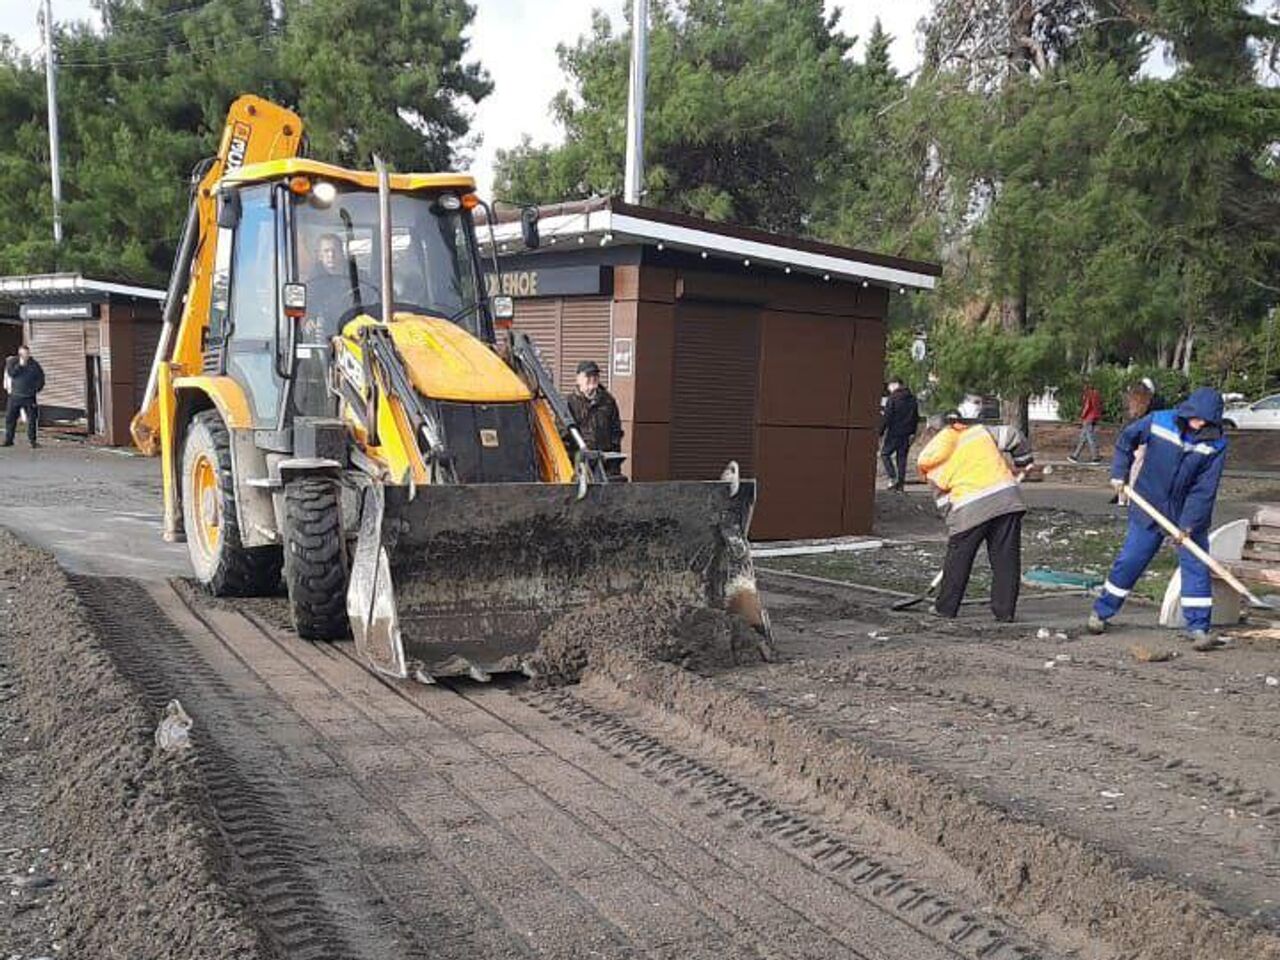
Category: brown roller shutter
[59,346]
[540,319]
[717,358]
[146,334]
[585,328]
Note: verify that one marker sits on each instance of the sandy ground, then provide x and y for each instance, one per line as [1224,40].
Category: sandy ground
[890,787]
[111,851]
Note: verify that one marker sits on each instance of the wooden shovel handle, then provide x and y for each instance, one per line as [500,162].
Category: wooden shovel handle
[1181,539]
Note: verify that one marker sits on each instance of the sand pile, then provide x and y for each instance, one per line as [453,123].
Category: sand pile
[136,876]
[665,627]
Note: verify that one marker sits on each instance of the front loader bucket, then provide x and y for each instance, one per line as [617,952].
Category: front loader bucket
[463,579]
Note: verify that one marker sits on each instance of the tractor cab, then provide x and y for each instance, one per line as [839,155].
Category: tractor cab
[297,257]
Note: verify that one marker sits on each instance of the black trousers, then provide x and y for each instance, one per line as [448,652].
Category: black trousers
[1003,537]
[16,406]
[894,454]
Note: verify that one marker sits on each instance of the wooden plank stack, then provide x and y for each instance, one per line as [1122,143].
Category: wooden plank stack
[1260,560]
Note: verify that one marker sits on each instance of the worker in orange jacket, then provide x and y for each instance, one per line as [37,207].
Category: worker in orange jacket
[967,467]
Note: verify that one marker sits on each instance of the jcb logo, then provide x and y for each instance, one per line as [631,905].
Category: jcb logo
[238,147]
[351,369]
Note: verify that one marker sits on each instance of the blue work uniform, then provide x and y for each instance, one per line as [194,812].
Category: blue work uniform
[1179,477]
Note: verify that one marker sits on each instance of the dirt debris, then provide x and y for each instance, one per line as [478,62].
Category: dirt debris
[1147,654]
[1029,869]
[133,876]
[657,626]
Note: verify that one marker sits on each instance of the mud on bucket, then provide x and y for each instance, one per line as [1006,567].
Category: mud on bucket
[464,579]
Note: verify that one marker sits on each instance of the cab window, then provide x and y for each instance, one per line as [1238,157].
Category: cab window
[251,315]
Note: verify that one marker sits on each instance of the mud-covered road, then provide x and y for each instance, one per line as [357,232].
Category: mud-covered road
[890,788]
[355,818]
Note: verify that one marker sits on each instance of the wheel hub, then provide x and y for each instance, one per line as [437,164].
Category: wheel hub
[208,503]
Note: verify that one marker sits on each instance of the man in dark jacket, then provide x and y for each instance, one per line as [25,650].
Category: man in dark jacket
[1186,453]
[25,379]
[596,412]
[898,424]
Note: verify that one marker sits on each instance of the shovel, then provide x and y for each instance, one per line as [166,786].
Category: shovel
[908,602]
[1180,538]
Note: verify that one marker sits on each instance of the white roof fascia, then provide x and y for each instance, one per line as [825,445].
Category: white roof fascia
[606,221]
[756,250]
[560,225]
[71,283]
[124,290]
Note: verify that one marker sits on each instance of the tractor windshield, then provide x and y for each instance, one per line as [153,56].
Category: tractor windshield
[337,254]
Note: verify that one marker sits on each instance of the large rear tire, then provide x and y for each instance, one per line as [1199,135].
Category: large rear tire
[222,564]
[316,568]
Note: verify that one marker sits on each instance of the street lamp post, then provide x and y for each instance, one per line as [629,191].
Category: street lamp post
[633,185]
[51,85]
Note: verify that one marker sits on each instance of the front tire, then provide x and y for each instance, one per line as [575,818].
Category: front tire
[1229,425]
[316,567]
[211,518]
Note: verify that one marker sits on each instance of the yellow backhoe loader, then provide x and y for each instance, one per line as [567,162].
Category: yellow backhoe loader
[335,399]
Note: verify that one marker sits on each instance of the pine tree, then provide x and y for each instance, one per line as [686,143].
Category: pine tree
[145,98]
[744,101]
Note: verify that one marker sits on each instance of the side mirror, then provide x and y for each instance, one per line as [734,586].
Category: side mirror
[294,296]
[229,209]
[502,308]
[529,228]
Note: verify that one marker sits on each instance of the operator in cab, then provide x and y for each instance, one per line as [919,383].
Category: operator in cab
[330,290]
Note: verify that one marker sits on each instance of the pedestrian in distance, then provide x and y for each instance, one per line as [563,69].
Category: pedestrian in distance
[1090,415]
[967,467]
[596,413]
[899,421]
[25,379]
[1186,453]
[1138,400]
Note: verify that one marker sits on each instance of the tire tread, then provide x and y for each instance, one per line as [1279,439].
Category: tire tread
[315,566]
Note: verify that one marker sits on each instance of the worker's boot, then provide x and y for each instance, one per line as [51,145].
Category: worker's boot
[1204,640]
[1096,624]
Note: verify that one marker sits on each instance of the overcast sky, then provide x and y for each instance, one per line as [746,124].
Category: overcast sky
[516,41]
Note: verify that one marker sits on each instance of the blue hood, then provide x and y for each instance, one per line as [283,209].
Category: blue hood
[1205,403]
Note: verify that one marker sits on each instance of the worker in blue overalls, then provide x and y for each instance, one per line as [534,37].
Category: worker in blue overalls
[1186,451]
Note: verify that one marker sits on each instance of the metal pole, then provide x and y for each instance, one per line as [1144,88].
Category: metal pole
[634,181]
[384,233]
[51,83]
[1266,356]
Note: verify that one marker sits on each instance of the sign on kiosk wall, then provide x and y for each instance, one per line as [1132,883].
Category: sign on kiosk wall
[56,311]
[549,282]
[623,356]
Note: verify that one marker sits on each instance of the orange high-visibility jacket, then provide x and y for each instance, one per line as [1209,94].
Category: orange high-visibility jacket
[966,466]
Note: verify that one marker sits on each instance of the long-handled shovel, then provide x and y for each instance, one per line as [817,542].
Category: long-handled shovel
[906,603]
[1181,539]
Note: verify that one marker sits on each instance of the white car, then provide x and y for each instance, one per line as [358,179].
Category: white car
[1262,414]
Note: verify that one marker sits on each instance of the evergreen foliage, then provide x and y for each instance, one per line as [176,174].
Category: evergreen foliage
[142,100]
[1084,210]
